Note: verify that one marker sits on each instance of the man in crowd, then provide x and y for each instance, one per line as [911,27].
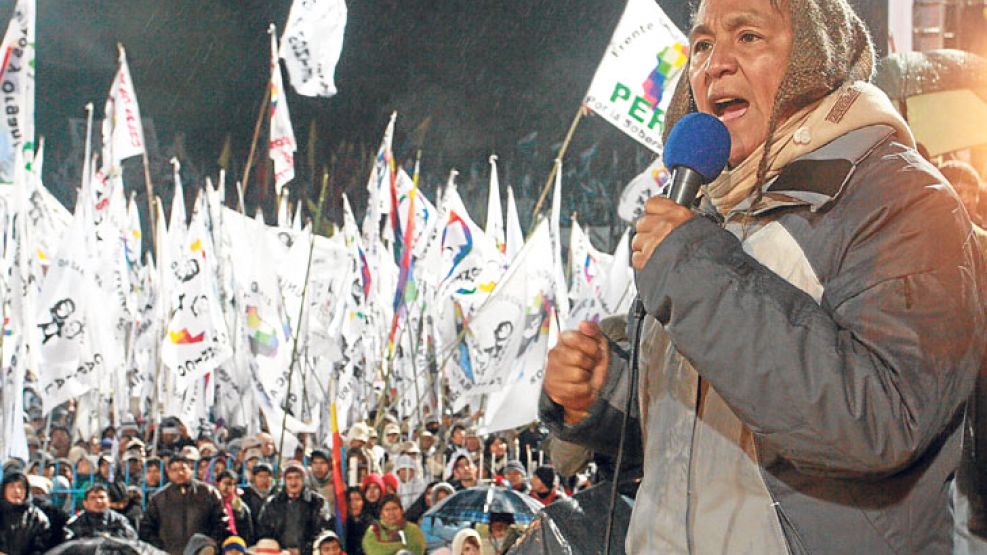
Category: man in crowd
[463,471]
[965,179]
[182,508]
[296,515]
[260,490]
[825,315]
[41,498]
[516,476]
[24,529]
[320,475]
[98,519]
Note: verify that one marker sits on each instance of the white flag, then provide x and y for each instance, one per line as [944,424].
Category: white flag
[649,183]
[312,43]
[643,61]
[515,238]
[123,134]
[589,270]
[17,83]
[495,216]
[282,143]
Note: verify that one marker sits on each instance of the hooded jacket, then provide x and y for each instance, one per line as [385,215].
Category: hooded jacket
[176,512]
[24,529]
[834,360]
[315,518]
[108,523]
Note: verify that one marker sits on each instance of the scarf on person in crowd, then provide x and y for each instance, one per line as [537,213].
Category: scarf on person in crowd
[231,504]
[853,106]
[389,534]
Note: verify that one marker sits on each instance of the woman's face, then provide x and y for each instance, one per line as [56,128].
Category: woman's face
[227,487]
[356,503]
[391,513]
[373,493]
[470,547]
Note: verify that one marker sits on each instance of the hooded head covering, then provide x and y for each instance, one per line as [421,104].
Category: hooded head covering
[12,476]
[441,486]
[830,47]
[459,540]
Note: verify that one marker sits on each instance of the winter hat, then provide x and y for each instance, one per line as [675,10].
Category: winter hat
[373,478]
[546,473]
[234,544]
[39,482]
[441,486]
[391,481]
[514,465]
[262,467]
[830,47]
[320,454]
[324,537]
[293,466]
[14,475]
[359,432]
[404,461]
[459,540]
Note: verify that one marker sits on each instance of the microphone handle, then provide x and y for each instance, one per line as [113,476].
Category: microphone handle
[685,186]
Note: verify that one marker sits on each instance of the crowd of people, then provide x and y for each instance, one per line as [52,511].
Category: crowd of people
[228,491]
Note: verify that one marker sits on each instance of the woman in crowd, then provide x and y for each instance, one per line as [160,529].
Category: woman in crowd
[358,522]
[466,542]
[241,521]
[373,489]
[438,531]
[391,533]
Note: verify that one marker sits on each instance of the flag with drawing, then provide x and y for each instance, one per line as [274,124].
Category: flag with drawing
[633,83]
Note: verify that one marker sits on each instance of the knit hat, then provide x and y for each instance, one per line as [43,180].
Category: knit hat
[391,481]
[234,544]
[441,486]
[320,454]
[514,465]
[830,47]
[324,537]
[262,467]
[293,466]
[547,475]
[373,478]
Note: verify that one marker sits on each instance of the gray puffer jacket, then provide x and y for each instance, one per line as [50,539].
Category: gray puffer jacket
[836,336]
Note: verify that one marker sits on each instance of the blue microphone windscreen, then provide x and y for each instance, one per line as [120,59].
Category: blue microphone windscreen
[700,142]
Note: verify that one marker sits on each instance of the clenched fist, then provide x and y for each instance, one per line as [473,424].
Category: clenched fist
[661,217]
[577,369]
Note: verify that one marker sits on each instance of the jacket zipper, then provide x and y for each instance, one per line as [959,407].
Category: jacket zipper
[688,480]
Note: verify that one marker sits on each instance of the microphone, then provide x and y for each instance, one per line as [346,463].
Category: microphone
[697,150]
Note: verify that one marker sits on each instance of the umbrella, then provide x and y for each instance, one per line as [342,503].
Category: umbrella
[476,504]
[941,93]
[105,545]
[576,525]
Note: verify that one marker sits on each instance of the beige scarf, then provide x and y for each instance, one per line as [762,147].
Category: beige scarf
[853,106]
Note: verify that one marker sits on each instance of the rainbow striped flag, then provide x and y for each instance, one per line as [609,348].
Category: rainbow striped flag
[670,59]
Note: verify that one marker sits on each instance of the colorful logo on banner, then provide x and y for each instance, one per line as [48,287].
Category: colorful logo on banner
[460,243]
[670,59]
[262,337]
[184,337]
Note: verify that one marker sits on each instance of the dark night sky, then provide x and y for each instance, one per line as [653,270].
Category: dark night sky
[488,71]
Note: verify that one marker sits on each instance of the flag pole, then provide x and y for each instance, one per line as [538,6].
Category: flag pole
[558,159]
[301,311]
[253,143]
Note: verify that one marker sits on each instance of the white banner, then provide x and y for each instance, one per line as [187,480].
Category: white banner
[633,83]
[282,143]
[311,45]
[123,134]
[17,83]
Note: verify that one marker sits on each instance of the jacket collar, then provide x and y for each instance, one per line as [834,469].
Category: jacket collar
[819,178]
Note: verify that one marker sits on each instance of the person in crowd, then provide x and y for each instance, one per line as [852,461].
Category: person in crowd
[438,531]
[85,474]
[516,477]
[391,533]
[320,476]
[495,454]
[463,471]
[241,521]
[391,483]
[152,474]
[98,519]
[132,467]
[261,489]
[268,449]
[377,453]
[457,440]
[419,506]
[360,460]
[234,545]
[392,439]
[966,181]
[201,544]
[545,487]
[24,529]
[500,534]
[824,314]
[357,521]
[41,498]
[296,515]
[60,442]
[328,544]
[373,488]
[183,507]
[431,455]
[466,542]
[411,485]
